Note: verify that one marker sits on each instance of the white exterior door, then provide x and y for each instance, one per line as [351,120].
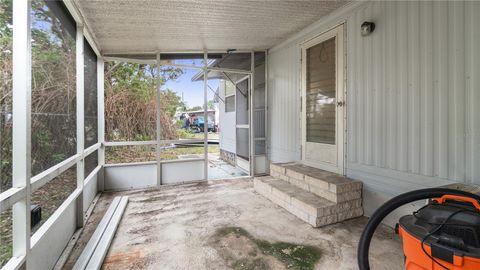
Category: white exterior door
[323,101]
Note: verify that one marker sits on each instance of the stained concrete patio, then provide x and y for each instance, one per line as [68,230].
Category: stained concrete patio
[172,228]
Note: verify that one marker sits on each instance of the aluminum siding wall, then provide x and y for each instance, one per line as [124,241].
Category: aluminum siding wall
[226,124]
[284,104]
[413,95]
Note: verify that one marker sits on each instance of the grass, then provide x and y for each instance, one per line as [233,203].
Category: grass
[181,133]
[200,136]
[173,153]
[129,154]
[299,257]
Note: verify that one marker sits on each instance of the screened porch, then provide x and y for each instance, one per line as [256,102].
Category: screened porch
[174,133]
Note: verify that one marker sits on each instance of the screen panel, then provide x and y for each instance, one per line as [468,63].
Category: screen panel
[90,95]
[53,85]
[6,115]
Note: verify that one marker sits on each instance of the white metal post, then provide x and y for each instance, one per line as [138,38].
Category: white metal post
[266,127]
[159,126]
[80,123]
[22,105]
[101,120]
[252,113]
[205,116]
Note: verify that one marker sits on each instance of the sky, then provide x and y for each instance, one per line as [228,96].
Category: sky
[192,91]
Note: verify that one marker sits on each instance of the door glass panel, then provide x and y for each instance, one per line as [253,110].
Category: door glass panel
[321,93]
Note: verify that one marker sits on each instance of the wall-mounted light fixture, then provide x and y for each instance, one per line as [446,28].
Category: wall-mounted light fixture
[367,28]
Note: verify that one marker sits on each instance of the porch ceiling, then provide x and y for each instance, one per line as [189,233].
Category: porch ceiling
[133,26]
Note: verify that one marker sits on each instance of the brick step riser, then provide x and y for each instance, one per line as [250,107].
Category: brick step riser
[346,194]
[339,207]
[313,220]
[314,216]
[326,220]
[321,212]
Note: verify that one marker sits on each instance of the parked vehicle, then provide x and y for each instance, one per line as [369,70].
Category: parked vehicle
[199,123]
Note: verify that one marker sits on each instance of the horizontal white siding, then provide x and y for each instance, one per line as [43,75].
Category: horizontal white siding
[284,104]
[413,94]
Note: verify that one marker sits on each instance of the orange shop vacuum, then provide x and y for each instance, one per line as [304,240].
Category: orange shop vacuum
[442,235]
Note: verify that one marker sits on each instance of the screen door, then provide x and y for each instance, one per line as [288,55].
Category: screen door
[323,101]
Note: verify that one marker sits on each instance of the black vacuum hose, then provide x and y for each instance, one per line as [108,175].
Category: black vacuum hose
[391,205]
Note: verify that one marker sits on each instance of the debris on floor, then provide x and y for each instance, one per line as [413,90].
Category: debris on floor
[242,251]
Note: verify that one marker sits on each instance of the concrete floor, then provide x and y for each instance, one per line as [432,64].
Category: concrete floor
[172,227]
[219,169]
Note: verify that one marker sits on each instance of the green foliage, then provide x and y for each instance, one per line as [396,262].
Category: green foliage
[137,78]
[5,94]
[58,157]
[173,153]
[172,102]
[130,104]
[143,137]
[211,105]
[182,133]
[179,124]
[53,89]
[140,153]
[5,20]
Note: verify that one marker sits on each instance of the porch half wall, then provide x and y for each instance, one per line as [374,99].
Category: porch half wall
[413,95]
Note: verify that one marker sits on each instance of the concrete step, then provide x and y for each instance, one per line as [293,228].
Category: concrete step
[309,207]
[334,187]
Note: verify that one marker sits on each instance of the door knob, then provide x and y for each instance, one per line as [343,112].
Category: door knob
[340,103]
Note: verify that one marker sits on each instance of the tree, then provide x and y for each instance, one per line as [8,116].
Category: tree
[130,101]
[211,105]
[172,102]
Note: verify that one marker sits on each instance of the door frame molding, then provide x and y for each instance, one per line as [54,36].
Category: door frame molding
[340,135]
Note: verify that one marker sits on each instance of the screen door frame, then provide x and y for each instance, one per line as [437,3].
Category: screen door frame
[328,157]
